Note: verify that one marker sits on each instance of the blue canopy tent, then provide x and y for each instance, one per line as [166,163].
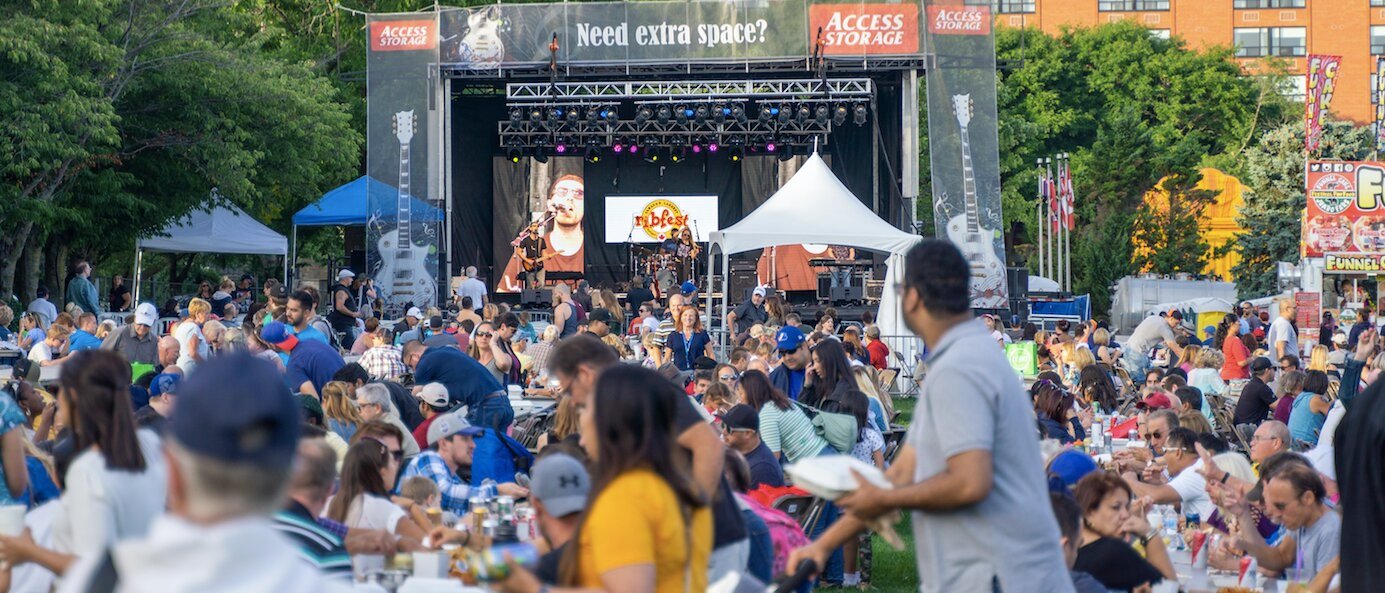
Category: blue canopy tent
[349,205]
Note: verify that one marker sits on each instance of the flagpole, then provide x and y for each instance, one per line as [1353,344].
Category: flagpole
[1067,232]
[1048,216]
[1039,163]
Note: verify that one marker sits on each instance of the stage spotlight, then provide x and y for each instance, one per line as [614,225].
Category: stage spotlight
[536,115]
[803,114]
[766,114]
[516,115]
[593,114]
[700,114]
[771,146]
[735,153]
[643,114]
[713,146]
[649,144]
[593,152]
[858,116]
[681,115]
[738,113]
[663,114]
[560,146]
[541,150]
[618,146]
[555,115]
[839,115]
[514,154]
[821,114]
[719,113]
[573,118]
[697,148]
[782,112]
[678,154]
[785,152]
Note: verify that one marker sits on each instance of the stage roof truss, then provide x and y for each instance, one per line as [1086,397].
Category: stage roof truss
[689,90]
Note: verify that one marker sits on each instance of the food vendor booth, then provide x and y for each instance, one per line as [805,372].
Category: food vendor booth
[1343,239]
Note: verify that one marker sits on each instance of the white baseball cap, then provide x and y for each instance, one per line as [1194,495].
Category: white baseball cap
[434,394]
[146,314]
[759,291]
[414,312]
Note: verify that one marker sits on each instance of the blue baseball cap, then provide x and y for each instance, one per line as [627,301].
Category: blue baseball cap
[164,383]
[789,338]
[237,409]
[688,287]
[279,334]
[1071,465]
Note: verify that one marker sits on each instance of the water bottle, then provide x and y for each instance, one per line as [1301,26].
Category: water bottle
[1171,528]
[1099,444]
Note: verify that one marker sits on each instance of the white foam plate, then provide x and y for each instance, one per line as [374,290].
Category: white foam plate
[830,476]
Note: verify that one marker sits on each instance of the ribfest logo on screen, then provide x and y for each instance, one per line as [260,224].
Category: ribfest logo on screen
[659,217]
[958,19]
[854,29]
[403,35]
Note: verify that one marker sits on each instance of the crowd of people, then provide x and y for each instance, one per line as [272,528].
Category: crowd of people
[260,446]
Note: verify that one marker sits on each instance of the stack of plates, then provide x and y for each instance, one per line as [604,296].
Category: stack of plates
[830,476]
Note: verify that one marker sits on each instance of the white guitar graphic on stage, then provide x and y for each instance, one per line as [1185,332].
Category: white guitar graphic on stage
[976,242]
[403,274]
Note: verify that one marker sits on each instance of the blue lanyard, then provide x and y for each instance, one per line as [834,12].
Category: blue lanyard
[687,350]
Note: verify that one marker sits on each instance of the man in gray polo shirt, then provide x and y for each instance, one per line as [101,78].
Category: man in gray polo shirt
[970,471]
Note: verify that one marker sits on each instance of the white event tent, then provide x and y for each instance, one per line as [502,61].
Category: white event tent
[814,207]
[222,229]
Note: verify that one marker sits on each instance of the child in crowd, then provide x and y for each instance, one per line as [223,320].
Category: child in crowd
[423,492]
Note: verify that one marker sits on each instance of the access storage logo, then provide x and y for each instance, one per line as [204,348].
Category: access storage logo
[866,29]
[958,19]
[412,35]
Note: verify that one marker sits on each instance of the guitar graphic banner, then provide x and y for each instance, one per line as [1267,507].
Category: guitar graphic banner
[404,247]
[963,144]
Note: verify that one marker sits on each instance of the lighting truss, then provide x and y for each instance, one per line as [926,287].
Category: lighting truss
[690,90]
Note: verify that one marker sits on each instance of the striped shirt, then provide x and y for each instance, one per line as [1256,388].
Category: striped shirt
[317,546]
[789,431]
[661,334]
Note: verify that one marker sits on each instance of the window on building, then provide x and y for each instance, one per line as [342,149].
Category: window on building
[1294,87]
[1377,2]
[1377,40]
[1015,6]
[1273,3]
[1271,41]
[1160,33]
[1131,5]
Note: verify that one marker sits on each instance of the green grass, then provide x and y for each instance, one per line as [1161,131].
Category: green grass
[893,571]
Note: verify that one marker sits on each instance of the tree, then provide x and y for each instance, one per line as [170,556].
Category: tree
[1270,217]
[125,114]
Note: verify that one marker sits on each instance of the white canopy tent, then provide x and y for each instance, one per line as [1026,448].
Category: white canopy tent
[222,229]
[814,207]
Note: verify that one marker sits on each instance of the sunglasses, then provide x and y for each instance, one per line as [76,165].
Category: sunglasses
[728,377]
[397,454]
[483,334]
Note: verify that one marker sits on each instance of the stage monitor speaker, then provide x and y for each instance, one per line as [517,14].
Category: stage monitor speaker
[742,282]
[843,294]
[542,297]
[1018,279]
[824,287]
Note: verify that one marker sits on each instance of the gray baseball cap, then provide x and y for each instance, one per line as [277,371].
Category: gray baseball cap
[561,483]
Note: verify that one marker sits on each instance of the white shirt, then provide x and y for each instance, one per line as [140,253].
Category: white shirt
[475,289]
[40,352]
[371,512]
[103,505]
[1192,488]
[184,333]
[46,310]
[246,555]
[31,576]
[1282,331]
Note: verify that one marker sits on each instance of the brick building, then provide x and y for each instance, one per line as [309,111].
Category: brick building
[1290,29]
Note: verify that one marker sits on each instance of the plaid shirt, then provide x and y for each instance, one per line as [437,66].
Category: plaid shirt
[453,490]
[383,362]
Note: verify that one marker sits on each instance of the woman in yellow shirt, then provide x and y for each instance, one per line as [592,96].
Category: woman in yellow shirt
[647,526]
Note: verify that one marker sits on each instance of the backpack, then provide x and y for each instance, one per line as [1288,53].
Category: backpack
[784,531]
[498,457]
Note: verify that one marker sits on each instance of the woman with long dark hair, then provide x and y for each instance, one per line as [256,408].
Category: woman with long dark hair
[116,485]
[647,526]
[784,427]
[368,472]
[831,375]
[1237,363]
[1097,389]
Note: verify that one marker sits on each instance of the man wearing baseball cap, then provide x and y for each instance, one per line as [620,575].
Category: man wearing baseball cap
[411,330]
[751,312]
[136,341]
[791,375]
[1152,332]
[311,363]
[161,393]
[345,310]
[433,402]
[1257,397]
[560,488]
[451,443]
[230,447]
[740,429]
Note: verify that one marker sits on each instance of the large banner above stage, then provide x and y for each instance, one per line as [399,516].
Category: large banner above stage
[592,33]
[963,143]
[1345,210]
[403,146]
[652,219]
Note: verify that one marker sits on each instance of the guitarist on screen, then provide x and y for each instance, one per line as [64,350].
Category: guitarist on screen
[530,253]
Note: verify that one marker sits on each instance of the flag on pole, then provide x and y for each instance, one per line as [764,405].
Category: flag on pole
[1055,203]
[1069,197]
[1379,104]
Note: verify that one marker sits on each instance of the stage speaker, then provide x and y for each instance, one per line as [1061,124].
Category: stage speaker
[1018,279]
[542,297]
[742,281]
[843,294]
[824,287]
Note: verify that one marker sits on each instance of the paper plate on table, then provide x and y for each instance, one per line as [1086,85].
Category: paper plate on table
[830,476]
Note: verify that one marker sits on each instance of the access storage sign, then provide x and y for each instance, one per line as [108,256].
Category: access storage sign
[1345,210]
[631,32]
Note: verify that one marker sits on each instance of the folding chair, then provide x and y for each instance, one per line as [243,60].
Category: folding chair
[885,378]
[805,509]
[528,429]
[910,373]
[894,439]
